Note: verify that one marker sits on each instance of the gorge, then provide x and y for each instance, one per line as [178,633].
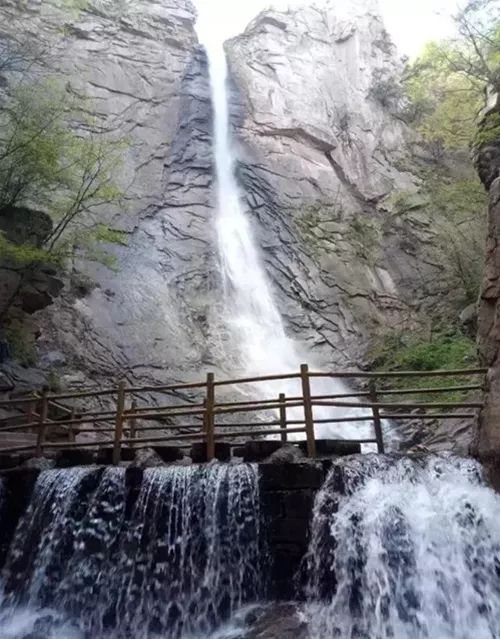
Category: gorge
[274,208]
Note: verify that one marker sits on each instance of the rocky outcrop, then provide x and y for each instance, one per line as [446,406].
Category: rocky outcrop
[486,444]
[323,151]
[27,289]
[146,81]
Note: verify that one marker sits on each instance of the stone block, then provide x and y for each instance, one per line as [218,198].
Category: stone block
[290,530]
[291,476]
[299,504]
[9,460]
[76,457]
[258,450]
[333,447]
[273,504]
[199,452]
[105,455]
[169,453]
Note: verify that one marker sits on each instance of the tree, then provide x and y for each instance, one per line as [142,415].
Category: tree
[443,104]
[446,84]
[48,165]
[476,50]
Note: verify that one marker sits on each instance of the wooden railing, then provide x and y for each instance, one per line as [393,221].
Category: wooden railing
[126,423]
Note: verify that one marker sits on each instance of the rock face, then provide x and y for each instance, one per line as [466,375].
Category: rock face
[487,438]
[322,151]
[36,289]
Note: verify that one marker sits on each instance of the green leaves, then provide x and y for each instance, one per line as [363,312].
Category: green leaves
[70,173]
[24,254]
[446,84]
[444,104]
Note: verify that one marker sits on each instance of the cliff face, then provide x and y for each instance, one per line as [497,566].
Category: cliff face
[322,154]
[139,65]
[487,437]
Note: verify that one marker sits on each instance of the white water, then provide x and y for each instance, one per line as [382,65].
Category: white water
[414,546]
[93,557]
[256,329]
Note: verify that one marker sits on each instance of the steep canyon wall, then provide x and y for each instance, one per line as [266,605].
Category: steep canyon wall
[323,152]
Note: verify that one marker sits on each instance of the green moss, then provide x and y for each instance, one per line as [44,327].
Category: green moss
[420,353]
[54,381]
[22,344]
[364,235]
[489,130]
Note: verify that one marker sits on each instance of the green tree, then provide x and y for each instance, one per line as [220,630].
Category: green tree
[446,84]
[48,165]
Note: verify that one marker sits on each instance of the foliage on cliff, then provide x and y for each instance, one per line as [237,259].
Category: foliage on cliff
[426,351]
[446,84]
[48,165]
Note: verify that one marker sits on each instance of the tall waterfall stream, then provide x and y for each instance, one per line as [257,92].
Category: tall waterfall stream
[254,323]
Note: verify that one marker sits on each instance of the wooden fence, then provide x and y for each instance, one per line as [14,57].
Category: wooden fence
[126,424]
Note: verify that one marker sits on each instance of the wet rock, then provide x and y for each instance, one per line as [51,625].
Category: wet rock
[279,620]
[258,450]
[468,320]
[39,463]
[147,458]
[287,454]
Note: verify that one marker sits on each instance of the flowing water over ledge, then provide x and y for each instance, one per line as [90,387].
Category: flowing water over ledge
[405,549]
[400,548]
[175,559]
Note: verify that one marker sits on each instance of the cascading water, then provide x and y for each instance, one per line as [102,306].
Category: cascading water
[405,549]
[95,557]
[256,328]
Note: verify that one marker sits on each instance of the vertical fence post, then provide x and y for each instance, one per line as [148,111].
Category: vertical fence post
[120,409]
[282,402]
[132,423]
[44,411]
[209,420]
[376,417]
[308,410]
[31,409]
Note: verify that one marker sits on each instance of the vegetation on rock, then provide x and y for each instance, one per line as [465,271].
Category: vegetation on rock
[54,158]
[426,352]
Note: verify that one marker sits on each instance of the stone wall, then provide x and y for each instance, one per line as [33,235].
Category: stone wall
[287,497]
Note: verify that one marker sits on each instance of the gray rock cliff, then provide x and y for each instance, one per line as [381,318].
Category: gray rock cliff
[322,150]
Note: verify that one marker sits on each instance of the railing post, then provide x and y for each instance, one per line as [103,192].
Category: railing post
[209,417]
[308,410]
[31,409]
[44,411]
[376,417]
[282,402]
[132,423]
[120,409]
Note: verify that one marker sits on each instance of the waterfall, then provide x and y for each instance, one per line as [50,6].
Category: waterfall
[256,330]
[94,556]
[405,549]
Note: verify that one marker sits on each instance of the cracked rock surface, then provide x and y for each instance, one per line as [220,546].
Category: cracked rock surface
[321,147]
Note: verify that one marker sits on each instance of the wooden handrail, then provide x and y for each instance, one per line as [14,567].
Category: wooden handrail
[133,420]
[436,373]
